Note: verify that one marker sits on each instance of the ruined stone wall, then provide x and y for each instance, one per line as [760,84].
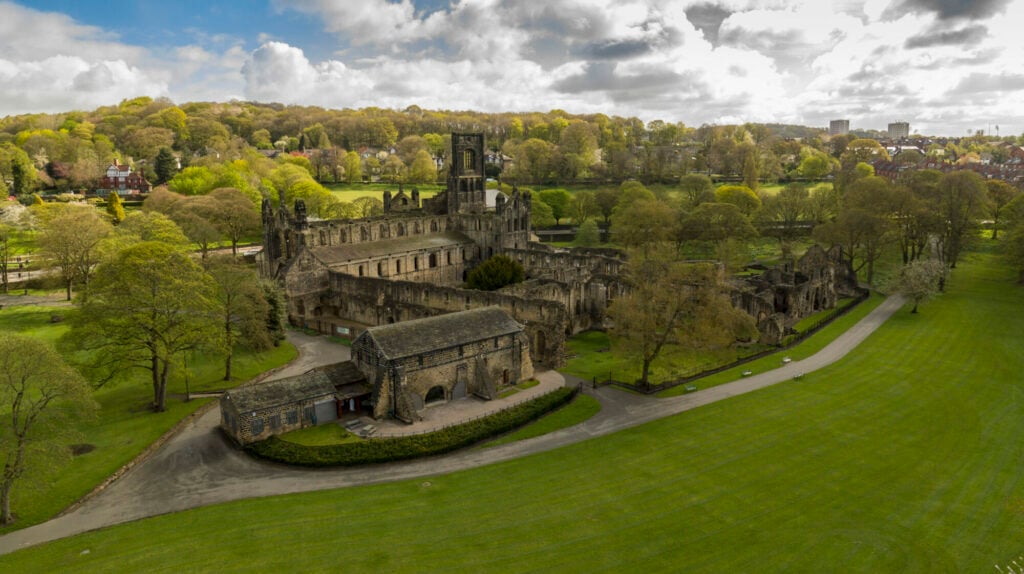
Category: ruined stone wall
[348,231]
[371,301]
[440,265]
[782,296]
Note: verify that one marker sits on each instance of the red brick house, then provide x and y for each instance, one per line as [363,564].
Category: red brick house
[121,179]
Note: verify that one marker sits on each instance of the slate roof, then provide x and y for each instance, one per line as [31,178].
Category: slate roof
[322,381]
[418,336]
[335,254]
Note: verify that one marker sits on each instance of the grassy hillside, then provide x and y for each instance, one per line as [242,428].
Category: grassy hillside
[903,457]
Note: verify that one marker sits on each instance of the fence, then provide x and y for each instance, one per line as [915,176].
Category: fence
[788,342]
[576,390]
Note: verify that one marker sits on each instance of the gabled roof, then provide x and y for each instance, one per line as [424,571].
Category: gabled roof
[336,254]
[340,378]
[419,336]
[280,392]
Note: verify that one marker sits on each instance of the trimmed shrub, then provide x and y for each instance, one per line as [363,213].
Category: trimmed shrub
[379,450]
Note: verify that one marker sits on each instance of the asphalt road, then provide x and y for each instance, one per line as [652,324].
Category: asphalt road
[199,467]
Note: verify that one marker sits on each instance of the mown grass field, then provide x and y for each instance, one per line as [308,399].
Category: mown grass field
[903,457]
[125,425]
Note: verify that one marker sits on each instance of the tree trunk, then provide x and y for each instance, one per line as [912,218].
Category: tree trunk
[646,371]
[914,310]
[227,366]
[154,368]
[5,503]
[69,289]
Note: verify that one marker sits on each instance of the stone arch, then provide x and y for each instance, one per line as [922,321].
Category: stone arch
[433,225]
[383,231]
[540,344]
[436,394]
[364,233]
[401,229]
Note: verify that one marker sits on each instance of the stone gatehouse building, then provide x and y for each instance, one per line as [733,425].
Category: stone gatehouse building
[436,359]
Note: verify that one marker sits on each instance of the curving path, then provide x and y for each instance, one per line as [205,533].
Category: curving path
[198,467]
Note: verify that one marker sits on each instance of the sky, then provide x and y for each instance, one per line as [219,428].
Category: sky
[948,67]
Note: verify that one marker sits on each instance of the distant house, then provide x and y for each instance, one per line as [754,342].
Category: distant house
[120,179]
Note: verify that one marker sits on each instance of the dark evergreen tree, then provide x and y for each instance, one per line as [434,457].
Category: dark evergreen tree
[495,273]
[165,166]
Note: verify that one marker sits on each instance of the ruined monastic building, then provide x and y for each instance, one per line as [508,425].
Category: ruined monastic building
[341,276]
[778,298]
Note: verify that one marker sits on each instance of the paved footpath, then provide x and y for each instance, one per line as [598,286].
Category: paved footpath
[198,467]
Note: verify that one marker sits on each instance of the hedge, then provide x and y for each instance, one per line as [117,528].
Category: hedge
[377,450]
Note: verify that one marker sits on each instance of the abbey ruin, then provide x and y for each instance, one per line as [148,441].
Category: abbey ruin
[341,276]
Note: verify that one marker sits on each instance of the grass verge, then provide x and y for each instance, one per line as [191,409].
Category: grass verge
[580,409]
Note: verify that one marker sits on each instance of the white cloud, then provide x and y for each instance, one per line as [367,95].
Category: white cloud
[800,61]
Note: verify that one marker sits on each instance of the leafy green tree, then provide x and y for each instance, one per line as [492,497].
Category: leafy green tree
[497,272]
[541,215]
[148,305]
[115,209]
[393,170]
[42,399]
[16,167]
[233,214]
[353,167]
[143,226]
[606,199]
[781,214]
[368,206]
[243,308]
[193,180]
[1000,194]
[422,169]
[715,223]
[815,166]
[583,206]
[6,250]
[739,195]
[962,201]
[643,225]
[588,234]
[696,189]
[558,200]
[165,165]
[862,235]
[71,242]
[674,303]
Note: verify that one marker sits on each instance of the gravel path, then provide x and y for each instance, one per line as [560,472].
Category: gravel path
[198,467]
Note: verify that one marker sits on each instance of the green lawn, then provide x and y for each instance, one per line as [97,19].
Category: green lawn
[905,456]
[347,192]
[580,409]
[125,426]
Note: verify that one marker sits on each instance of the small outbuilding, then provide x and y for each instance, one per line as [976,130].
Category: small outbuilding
[413,364]
[253,413]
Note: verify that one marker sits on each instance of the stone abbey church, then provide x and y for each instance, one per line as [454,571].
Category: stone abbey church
[341,276]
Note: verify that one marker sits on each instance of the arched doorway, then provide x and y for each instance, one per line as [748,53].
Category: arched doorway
[435,395]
